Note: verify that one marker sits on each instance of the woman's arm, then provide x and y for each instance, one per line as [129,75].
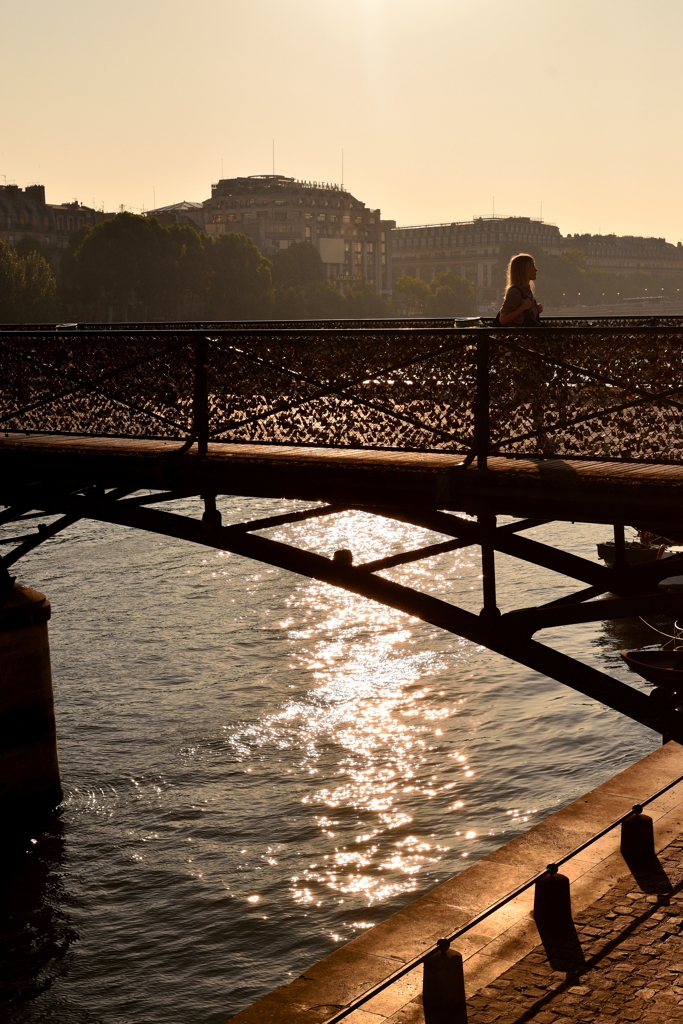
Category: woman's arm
[506,318]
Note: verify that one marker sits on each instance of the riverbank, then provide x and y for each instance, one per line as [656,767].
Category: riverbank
[503,956]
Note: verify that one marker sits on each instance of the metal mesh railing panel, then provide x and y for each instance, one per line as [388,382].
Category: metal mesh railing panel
[364,389]
[616,394]
[134,385]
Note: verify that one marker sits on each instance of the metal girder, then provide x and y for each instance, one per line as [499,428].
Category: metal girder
[14,512]
[391,561]
[530,620]
[508,634]
[155,499]
[44,533]
[504,539]
[481,630]
[289,517]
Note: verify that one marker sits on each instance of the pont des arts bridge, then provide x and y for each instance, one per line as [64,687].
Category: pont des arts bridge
[416,421]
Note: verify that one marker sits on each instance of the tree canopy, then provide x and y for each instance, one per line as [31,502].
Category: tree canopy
[241,280]
[450,295]
[446,295]
[28,290]
[297,266]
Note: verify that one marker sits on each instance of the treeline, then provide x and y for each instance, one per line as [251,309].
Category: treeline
[131,268]
[446,295]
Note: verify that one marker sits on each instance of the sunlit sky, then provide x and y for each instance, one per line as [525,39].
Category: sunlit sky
[439,106]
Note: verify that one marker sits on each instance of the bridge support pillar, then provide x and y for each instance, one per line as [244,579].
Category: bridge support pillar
[29,769]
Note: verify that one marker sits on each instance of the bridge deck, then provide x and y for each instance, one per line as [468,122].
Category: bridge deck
[587,491]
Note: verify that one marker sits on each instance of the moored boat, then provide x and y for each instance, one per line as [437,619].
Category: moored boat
[663,668]
[645,548]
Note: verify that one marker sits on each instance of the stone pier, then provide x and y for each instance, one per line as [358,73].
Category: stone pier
[29,768]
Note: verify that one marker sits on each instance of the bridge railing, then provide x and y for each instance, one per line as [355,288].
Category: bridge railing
[571,389]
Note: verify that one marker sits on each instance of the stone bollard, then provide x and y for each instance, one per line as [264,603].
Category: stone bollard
[637,837]
[443,987]
[553,901]
[29,769]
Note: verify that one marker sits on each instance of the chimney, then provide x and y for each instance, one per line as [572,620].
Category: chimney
[37,191]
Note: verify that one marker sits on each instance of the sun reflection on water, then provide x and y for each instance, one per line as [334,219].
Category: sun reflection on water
[372,712]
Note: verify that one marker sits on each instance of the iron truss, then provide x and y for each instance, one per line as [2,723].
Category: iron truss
[607,593]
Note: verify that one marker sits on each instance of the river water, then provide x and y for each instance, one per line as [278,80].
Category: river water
[257,766]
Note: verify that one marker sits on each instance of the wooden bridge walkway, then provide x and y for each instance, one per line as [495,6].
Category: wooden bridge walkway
[648,496]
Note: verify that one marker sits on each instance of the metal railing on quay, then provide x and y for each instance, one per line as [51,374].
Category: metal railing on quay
[375,990]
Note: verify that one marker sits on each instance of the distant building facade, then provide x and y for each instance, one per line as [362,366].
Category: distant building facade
[471,249]
[186,212]
[275,211]
[24,212]
[624,254]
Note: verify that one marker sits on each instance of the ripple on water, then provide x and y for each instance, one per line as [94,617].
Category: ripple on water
[257,766]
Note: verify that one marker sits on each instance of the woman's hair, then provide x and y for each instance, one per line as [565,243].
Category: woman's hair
[518,270]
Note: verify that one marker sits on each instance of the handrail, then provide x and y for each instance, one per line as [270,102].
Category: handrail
[425,340]
[503,901]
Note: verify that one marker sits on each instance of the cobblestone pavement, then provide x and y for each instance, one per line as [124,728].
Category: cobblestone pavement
[632,942]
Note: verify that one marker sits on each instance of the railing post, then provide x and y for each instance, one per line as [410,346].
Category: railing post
[481,409]
[200,409]
[637,837]
[443,987]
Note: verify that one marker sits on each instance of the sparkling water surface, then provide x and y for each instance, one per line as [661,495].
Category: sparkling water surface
[258,767]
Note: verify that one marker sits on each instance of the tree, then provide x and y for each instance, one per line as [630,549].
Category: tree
[10,283]
[364,301]
[450,295]
[125,266]
[302,291]
[297,266]
[70,298]
[413,291]
[242,284]
[28,244]
[39,290]
[27,287]
[192,271]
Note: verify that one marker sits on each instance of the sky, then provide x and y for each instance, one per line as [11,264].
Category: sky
[443,108]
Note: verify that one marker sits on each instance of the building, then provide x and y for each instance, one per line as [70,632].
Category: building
[275,211]
[624,254]
[24,213]
[469,248]
[186,212]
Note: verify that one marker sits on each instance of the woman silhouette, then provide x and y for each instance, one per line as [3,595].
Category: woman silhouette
[520,308]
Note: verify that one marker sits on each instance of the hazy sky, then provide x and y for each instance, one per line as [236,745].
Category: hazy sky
[439,105]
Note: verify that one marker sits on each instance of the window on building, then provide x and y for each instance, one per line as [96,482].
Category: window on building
[321,216]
